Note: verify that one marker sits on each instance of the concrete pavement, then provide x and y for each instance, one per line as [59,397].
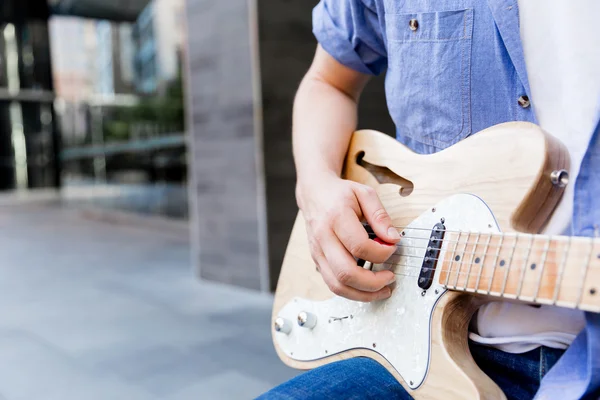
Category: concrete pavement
[97,310]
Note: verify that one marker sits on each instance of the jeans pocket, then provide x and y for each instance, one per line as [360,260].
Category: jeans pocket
[428,78]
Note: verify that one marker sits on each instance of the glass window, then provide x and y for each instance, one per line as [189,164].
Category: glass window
[27,152]
[121,122]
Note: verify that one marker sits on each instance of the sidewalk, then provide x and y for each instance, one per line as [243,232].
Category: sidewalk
[96,310]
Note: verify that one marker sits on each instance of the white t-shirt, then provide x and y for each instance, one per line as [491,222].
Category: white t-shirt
[561,45]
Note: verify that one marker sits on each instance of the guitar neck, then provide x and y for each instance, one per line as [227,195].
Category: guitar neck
[559,270]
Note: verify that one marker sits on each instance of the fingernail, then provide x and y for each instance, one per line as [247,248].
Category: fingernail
[392,280]
[382,242]
[393,234]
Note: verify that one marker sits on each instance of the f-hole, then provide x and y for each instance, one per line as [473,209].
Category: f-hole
[385,175]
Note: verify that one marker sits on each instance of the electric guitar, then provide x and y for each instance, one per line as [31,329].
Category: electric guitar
[468,218]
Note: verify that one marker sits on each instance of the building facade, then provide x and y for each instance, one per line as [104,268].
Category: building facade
[74,67]
[158,34]
[114,62]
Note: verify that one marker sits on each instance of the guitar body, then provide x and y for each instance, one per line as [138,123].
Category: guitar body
[498,180]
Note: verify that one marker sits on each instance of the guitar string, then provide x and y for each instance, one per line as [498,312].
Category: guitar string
[498,234]
[522,261]
[468,275]
[472,263]
[474,253]
[465,285]
[454,273]
[467,243]
[461,242]
[513,260]
[408,227]
[571,259]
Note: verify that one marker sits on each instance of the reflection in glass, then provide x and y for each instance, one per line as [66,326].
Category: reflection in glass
[120,116]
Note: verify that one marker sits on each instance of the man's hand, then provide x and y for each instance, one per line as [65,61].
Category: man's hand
[333,209]
[325,116]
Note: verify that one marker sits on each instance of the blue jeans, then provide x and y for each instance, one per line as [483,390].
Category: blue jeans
[518,375]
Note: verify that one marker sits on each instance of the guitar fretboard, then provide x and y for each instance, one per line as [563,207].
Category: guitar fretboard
[536,268]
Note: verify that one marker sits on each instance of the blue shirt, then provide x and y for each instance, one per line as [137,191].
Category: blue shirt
[460,71]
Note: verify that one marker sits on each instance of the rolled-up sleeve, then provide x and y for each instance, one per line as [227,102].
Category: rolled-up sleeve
[351,33]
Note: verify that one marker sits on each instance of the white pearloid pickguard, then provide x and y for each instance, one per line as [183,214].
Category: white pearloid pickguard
[397,328]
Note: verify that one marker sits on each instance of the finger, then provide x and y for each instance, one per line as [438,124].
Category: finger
[313,244]
[316,254]
[375,214]
[354,237]
[349,292]
[347,272]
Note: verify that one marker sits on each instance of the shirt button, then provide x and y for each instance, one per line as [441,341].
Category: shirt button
[413,24]
[524,101]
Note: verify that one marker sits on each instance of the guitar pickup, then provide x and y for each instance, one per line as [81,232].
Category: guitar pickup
[432,255]
[359,261]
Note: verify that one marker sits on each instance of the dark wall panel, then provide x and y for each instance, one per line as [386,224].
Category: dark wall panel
[23,10]
[225,183]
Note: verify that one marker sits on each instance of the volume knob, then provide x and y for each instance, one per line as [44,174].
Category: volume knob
[282,325]
[307,320]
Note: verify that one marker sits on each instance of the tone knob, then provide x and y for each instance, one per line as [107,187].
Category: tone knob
[282,325]
[307,320]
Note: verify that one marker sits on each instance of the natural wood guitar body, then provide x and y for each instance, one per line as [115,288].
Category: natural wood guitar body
[507,166]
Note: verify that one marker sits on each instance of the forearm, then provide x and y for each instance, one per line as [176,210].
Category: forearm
[325,116]
[324,119]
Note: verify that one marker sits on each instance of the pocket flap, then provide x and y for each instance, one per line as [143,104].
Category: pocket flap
[430,26]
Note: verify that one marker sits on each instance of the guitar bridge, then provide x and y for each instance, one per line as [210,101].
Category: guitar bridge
[432,255]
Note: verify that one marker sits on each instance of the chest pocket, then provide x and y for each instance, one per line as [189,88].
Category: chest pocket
[428,78]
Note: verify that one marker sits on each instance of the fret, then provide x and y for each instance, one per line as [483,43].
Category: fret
[561,271]
[506,259]
[485,250]
[539,276]
[512,253]
[513,274]
[584,274]
[550,273]
[495,263]
[525,267]
[590,300]
[449,271]
[467,261]
[569,290]
[542,267]
[462,260]
[471,262]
